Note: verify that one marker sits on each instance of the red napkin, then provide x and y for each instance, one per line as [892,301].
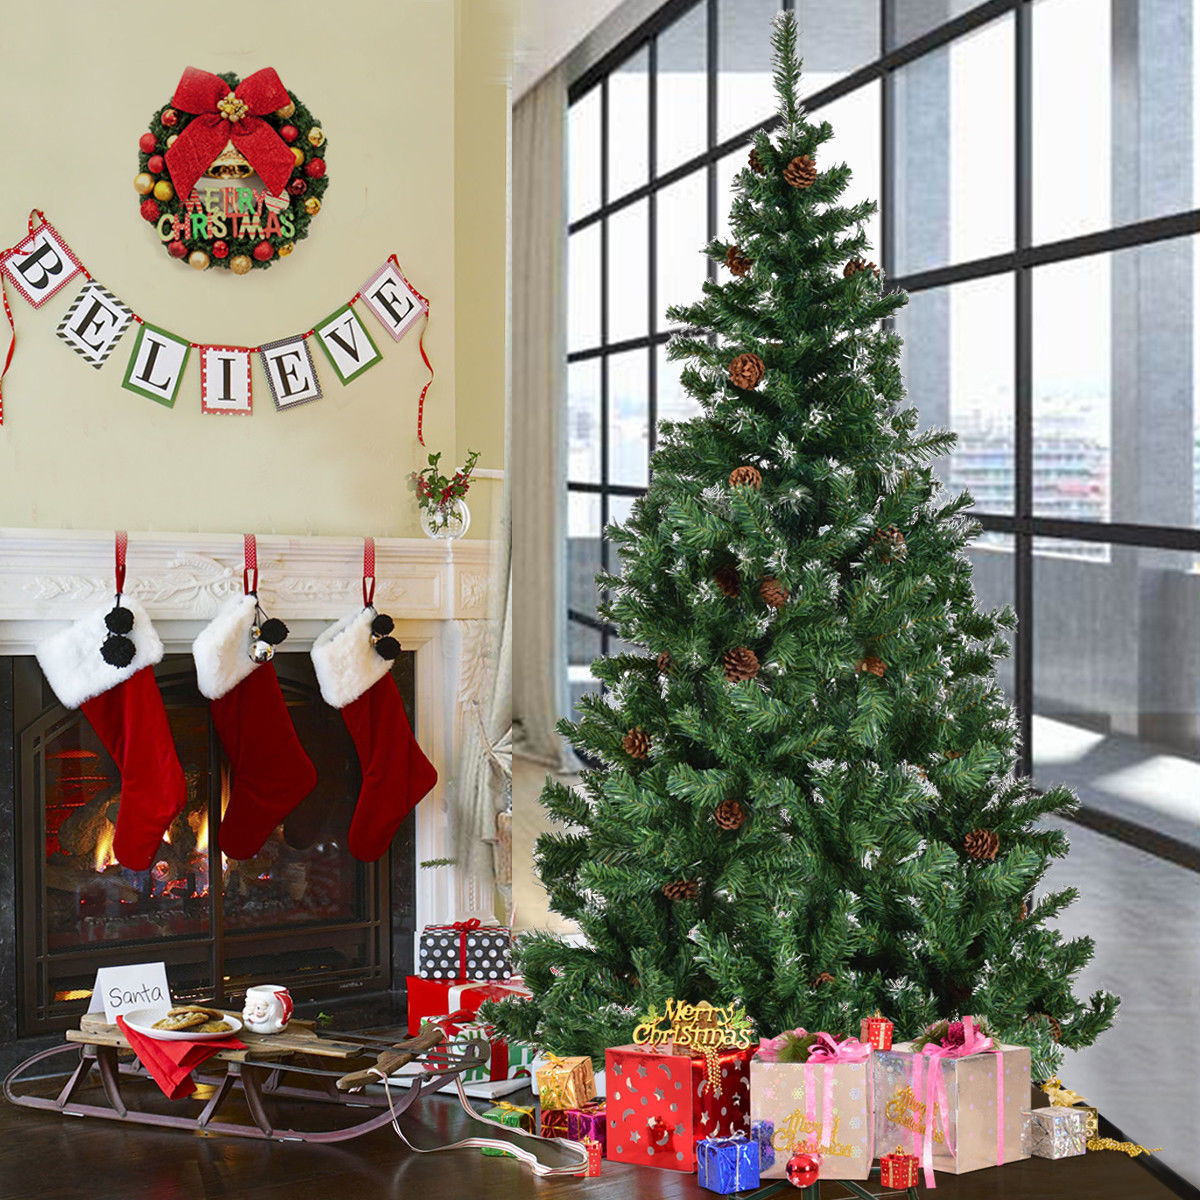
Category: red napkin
[172,1063]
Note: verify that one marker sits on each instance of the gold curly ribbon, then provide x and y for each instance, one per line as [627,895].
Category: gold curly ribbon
[1062,1097]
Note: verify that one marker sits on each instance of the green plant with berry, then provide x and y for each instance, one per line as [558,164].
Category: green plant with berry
[436,493]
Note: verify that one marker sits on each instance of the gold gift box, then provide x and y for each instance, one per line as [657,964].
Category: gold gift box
[566,1082]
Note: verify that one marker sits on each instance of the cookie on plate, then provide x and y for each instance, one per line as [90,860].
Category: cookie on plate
[215,1027]
[176,1022]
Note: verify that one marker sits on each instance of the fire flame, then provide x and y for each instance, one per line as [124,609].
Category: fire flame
[104,847]
[202,834]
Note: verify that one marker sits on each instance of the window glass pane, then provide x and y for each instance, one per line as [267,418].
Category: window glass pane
[583,550]
[628,419]
[628,250]
[954,151]
[674,404]
[682,95]
[855,141]
[583,421]
[583,288]
[583,155]
[958,361]
[835,39]
[629,125]
[1116,669]
[583,648]
[909,19]
[682,220]
[745,93]
[994,581]
[619,508]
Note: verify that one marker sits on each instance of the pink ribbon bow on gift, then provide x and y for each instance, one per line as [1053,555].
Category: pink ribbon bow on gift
[827,1052]
[961,1041]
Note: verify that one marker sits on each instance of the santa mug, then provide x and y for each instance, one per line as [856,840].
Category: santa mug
[268,1008]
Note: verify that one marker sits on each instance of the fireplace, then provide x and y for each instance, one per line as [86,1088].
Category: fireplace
[303,912]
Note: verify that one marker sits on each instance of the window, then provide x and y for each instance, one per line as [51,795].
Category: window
[1037,169]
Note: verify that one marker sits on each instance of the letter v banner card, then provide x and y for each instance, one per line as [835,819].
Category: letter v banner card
[396,306]
[95,323]
[290,371]
[156,364]
[347,343]
[41,265]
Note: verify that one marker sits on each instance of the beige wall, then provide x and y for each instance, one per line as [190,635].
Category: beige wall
[406,91]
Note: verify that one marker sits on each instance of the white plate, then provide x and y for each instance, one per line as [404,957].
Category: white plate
[143,1020]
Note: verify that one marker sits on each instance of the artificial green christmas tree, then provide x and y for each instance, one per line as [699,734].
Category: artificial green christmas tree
[806,800]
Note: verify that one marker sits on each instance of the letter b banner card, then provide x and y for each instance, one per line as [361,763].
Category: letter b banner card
[41,265]
[138,987]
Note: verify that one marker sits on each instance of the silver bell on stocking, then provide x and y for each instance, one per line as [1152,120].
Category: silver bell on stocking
[260,651]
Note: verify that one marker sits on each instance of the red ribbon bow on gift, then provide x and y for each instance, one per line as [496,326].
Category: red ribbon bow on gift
[222,115]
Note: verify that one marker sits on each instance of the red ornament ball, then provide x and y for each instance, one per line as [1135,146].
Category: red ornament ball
[263,251]
[156,164]
[150,210]
[803,1170]
[315,168]
[176,249]
[298,186]
[148,143]
[289,133]
[219,249]
[170,118]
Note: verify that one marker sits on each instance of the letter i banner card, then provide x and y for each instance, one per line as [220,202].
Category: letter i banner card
[139,987]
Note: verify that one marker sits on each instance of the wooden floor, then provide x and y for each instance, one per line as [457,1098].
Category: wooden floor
[44,1156]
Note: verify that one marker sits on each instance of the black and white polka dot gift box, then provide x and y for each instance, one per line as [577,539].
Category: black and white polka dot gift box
[465,950]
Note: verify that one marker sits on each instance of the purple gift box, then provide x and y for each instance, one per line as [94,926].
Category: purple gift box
[589,1122]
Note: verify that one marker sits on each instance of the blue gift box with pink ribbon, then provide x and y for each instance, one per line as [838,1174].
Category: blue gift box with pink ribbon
[728,1164]
[954,1099]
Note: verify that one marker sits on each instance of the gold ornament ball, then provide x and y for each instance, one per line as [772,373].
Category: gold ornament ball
[312,206]
[316,136]
[288,110]
[144,184]
[298,155]
[240,264]
[198,260]
[163,191]
[171,140]
[285,249]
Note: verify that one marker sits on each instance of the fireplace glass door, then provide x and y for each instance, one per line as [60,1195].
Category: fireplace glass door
[302,912]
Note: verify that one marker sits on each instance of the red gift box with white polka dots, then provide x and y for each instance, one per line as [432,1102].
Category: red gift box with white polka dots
[660,1104]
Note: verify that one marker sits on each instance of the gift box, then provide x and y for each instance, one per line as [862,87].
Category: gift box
[728,1164]
[594,1156]
[508,1114]
[899,1170]
[763,1132]
[876,1032]
[588,1123]
[553,1123]
[822,1106]
[1054,1132]
[566,1082]
[430,998]
[661,1104]
[465,950]
[957,1106]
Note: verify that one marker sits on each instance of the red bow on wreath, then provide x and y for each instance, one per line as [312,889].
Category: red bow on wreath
[222,115]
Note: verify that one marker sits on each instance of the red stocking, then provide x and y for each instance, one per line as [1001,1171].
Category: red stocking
[356,678]
[122,703]
[270,772]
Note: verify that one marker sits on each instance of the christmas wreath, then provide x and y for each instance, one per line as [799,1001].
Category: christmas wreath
[225,130]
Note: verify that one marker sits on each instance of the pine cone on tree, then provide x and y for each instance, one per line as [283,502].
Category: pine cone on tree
[745,477]
[1055,1026]
[681,889]
[746,371]
[740,663]
[954,754]
[664,663]
[801,172]
[858,264]
[728,580]
[636,743]
[737,262]
[890,543]
[821,980]
[981,844]
[774,594]
[871,663]
[756,163]
[729,814]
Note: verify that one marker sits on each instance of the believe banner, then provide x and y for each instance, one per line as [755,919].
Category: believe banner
[96,321]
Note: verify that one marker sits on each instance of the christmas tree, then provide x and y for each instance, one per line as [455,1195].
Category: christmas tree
[806,799]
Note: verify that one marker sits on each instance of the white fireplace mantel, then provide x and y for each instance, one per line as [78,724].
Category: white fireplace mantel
[436,591]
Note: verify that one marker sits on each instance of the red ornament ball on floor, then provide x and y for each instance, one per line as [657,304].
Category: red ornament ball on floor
[219,249]
[803,1170]
[289,133]
[176,249]
[170,118]
[263,251]
[156,164]
[148,143]
[150,210]
[315,168]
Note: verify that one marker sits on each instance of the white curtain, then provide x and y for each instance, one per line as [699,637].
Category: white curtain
[538,400]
